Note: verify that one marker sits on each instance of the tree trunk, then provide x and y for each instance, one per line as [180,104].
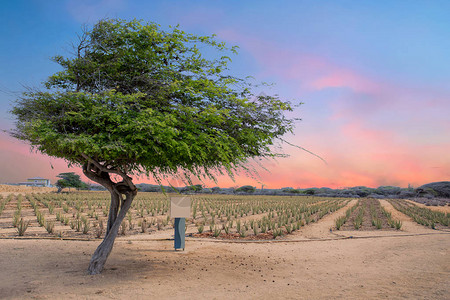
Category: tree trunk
[100,255]
[113,210]
[100,174]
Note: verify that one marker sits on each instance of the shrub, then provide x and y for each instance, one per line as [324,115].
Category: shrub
[246,189]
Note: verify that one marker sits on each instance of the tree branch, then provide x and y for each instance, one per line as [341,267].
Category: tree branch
[126,179]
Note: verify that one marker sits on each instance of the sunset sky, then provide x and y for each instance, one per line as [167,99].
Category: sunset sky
[374,77]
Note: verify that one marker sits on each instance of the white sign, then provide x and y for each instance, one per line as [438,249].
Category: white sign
[180,207]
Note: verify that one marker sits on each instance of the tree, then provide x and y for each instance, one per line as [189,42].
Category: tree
[137,100]
[69,179]
[246,189]
[310,191]
[192,188]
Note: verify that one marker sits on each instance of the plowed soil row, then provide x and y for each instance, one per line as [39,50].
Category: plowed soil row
[366,205]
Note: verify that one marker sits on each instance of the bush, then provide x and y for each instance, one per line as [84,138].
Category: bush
[309,191]
[405,193]
[437,189]
[246,189]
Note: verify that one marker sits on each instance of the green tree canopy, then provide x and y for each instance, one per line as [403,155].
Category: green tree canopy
[70,179]
[246,189]
[136,99]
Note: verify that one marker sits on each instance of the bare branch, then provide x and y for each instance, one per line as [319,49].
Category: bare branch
[306,150]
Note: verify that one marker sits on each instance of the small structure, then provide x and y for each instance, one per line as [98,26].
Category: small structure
[36,181]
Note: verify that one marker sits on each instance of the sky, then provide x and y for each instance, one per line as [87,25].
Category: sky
[373,77]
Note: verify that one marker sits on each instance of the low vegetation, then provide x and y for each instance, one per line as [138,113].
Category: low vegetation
[221,216]
[84,214]
[367,214]
[422,216]
[342,219]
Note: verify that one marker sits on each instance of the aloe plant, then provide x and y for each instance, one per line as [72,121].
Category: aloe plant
[200,228]
[217,231]
[378,223]
[255,230]
[22,226]
[49,226]
[238,226]
[340,221]
[16,218]
[86,226]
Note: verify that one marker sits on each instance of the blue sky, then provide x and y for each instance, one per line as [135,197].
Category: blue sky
[373,76]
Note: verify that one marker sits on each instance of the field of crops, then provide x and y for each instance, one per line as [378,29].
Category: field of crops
[25,189]
[84,214]
[423,216]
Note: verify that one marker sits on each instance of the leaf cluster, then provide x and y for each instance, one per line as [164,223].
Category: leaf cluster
[143,100]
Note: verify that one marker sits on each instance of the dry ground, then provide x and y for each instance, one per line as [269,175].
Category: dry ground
[413,267]
[7,189]
[314,263]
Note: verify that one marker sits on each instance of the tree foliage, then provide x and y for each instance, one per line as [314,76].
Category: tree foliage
[135,99]
[144,100]
[246,189]
[68,180]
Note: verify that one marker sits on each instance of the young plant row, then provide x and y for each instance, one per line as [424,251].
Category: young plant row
[263,216]
[244,216]
[18,222]
[397,224]
[340,221]
[203,208]
[367,214]
[421,215]
[4,202]
[83,215]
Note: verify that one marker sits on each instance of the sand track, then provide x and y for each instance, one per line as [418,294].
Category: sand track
[393,268]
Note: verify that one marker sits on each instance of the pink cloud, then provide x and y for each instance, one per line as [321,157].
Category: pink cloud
[18,163]
[380,129]
[311,72]
[338,78]
[377,132]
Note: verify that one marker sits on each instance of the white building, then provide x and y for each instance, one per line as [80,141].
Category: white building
[36,181]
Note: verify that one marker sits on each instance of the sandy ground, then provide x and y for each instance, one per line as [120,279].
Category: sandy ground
[414,267]
[314,263]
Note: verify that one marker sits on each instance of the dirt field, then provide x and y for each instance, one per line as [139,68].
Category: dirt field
[312,263]
[6,189]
